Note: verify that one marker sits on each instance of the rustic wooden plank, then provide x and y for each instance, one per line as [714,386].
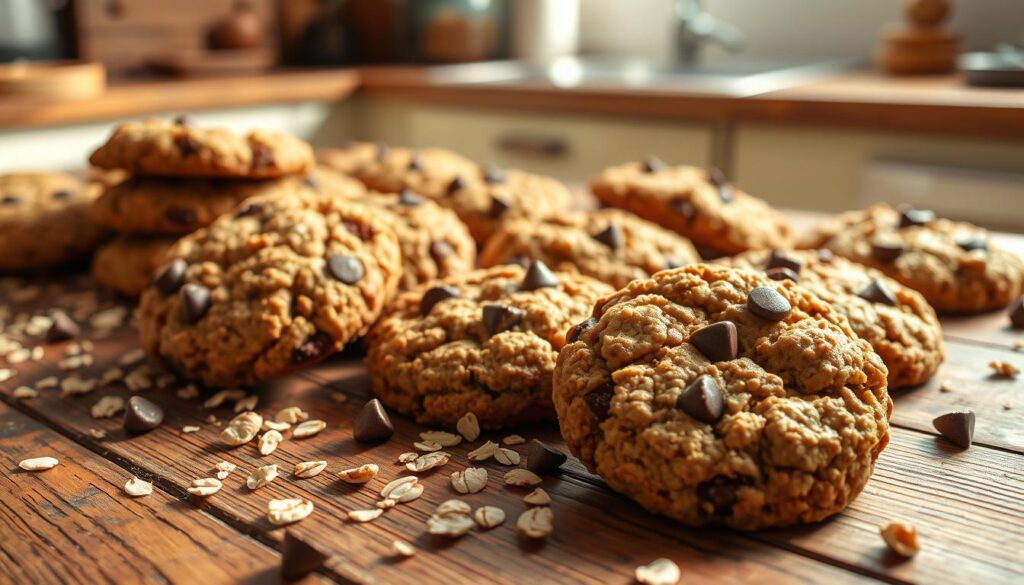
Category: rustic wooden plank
[991,328]
[73,524]
[599,536]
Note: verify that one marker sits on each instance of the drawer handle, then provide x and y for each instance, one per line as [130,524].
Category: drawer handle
[533,145]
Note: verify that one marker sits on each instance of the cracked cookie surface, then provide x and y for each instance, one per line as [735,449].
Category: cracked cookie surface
[483,342]
[54,204]
[897,321]
[161,148]
[279,284]
[783,428]
[127,262]
[610,245]
[698,204]
[953,264]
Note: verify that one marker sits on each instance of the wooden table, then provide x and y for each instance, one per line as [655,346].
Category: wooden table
[73,524]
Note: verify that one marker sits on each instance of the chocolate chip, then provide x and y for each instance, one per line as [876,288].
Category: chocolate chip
[313,348]
[782,273]
[494,175]
[780,259]
[62,328]
[409,198]
[1017,313]
[877,292]
[180,216]
[717,341]
[311,181]
[457,184]
[972,243]
[825,255]
[373,423]
[718,179]
[915,217]
[382,152]
[62,195]
[262,156]
[359,230]
[10,200]
[767,303]
[610,236]
[142,415]
[170,278]
[579,328]
[187,146]
[957,427]
[415,162]
[435,295]
[683,207]
[498,318]
[299,558]
[347,269]
[654,164]
[498,207]
[538,275]
[599,400]
[702,400]
[252,208]
[542,459]
[720,493]
[886,252]
[439,250]
[674,263]
[195,302]
[183,120]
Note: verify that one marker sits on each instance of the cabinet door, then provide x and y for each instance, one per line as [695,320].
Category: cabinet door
[566,146]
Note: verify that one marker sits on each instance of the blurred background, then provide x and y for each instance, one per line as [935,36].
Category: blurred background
[811,104]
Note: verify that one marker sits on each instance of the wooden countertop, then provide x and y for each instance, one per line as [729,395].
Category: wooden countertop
[73,523]
[865,100]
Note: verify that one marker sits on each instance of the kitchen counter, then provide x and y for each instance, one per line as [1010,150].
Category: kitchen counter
[865,100]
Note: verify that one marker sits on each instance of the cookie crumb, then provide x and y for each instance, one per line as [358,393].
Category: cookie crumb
[1003,369]
[658,572]
[901,538]
[946,386]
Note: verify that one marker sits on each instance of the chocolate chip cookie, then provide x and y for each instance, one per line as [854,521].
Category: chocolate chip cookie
[953,264]
[279,284]
[180,149]
[718,395]
[435,244]
[44,220]
[897,321]
[181,206]
[390,169]
[483,342]
[699,204]
[127,262]
[610,245]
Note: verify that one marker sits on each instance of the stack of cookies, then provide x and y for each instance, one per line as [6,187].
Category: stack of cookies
[181,179]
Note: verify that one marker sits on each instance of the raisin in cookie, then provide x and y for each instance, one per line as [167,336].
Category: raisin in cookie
[610,245]
[179,149]
[897,321]
[435,244]
[44,220]
[277,285]
[717,395]
[181,206]
[701,205]
[953,264]
[483,342]
[127,263]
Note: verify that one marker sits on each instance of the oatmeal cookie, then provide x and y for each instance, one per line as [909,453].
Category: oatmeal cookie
[701,205]
[953,264]
[390,169]
[279,284]
[127,262]
[179,149]
[897,321]
[610,245]
[718,395]
[44,220]
[483,342]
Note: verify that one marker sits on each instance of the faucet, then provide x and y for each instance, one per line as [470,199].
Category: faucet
[696,26]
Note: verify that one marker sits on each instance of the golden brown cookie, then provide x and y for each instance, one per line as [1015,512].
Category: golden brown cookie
[610,245]
[127,263]
[483,342]
[180,149]
[953,264]
[718,395]
[701,205]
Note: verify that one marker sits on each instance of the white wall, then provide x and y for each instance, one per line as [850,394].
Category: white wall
[805,28]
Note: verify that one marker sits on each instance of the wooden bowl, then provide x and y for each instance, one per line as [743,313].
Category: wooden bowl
[53,79]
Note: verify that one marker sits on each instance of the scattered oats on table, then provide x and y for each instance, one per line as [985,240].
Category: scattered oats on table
[22,392]
[469,427]
[308,469]
[536,522]
[288,510]
[443,438]
[291,415]
[270,425]
[483,452]
[261,476]
[107,407]
[98,434]
[1004,369]
[204,486]
[489,516]
[308,428]
[512,440]
[946,386]
[428,461]
[190,429]
[47,383]
[6,374]
[407,457]
[402,548]
[361,474]
[506,456]
[136,487]
[38,463]
[139,379]
[403,489]
[365,515]
[269,442]
[247,403]
[224,469]
[242,429]
[537,497]
[901,538]
[522,478]
[218,398]
[658,572]
[131,356]
[74,385]
[470,481]
[427,446]
[187,392]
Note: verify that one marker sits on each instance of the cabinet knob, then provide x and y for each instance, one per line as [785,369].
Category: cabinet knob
[533,145]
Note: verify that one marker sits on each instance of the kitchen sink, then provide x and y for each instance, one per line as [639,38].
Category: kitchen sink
[733,77]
